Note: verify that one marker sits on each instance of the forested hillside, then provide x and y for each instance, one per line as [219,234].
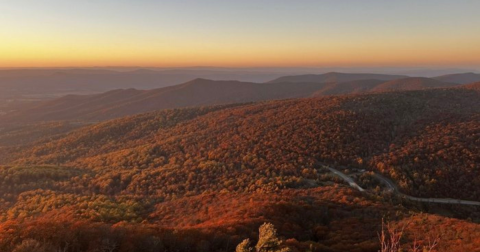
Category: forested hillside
[473,86]
[416,83]
[217,173]
[335,77]
[287,138]
[28,133]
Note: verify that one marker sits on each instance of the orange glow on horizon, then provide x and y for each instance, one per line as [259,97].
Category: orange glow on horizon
[56,50]
[47,57]
[60,52]
[238,34]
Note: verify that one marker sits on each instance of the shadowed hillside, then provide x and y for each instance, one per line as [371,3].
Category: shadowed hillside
[349,87]
[416,83]
[334,77]
[199,92]
[44,83]
[464,78]
[473,86]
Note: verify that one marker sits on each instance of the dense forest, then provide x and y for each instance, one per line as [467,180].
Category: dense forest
[205,178]
[236,148]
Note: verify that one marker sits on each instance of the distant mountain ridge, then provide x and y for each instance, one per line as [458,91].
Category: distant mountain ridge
[203,92]
[412,83]
[41,84]
[198,92]
[349,87]
[337,77]
[44,83]
[462,78]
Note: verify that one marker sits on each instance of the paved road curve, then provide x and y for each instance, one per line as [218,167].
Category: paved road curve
[349,180]
[392,187]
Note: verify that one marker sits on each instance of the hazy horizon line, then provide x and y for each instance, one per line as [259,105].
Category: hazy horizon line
[471,67]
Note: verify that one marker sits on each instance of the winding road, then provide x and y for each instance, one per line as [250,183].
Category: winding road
[392,187]
[349,180]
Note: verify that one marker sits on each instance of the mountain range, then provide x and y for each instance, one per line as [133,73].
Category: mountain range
[41,84]
[202,92]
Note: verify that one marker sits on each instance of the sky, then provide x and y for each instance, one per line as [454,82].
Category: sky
[234,33]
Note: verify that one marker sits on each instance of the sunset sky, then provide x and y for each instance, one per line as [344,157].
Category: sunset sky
[56,33]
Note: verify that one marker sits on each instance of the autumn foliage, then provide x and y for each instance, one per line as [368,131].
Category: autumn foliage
[206,178]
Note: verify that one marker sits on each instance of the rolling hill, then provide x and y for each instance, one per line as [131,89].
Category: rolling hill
[199,92]
[28,133]
[391,125]
[473,86]
[335,77]
[120,103]
[413,83]
[45,83]
[349,87]
[463,78]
